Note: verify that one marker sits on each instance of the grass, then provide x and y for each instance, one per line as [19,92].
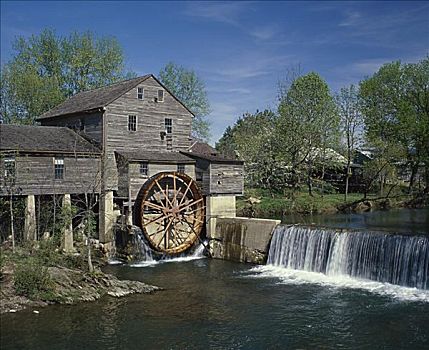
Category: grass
[279,204]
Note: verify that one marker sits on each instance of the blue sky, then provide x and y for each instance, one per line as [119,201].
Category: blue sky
[240,49]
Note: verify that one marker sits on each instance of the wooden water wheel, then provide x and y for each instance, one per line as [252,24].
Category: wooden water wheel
[170,211]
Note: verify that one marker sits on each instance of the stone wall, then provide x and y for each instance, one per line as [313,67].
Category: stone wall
[242,239]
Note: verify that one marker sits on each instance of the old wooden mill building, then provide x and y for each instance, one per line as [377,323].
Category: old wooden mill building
[130,144]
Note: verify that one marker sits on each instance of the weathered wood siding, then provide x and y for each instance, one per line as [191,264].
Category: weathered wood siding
[93,124]
[226,178]
[34,174]
[137,180]
[202,173]
[123,178]
[150,123]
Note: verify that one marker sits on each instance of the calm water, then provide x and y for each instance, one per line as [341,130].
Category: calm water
[404,221]
[211,304]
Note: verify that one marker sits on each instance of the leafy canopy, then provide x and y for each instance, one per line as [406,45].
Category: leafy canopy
[47,69]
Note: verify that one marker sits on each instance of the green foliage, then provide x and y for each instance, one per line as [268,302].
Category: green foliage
[31,278]
[251,138]
[396,111]
[46,69]
[191,91]
[307,125]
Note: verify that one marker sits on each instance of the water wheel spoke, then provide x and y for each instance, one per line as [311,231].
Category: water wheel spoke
[193,211]
[194,218]
[167,200]
[186,191]
[174,189]
[179,240]
[153,220]
[161,228]
[153,205]
[191,204]
[165,229]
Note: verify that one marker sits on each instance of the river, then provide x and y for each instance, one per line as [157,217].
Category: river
[212,304]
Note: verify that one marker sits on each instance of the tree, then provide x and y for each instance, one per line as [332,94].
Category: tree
[307,123]
[226,144]
[251,138]
[191,91]
[351,125]
[47,69]
[396,111]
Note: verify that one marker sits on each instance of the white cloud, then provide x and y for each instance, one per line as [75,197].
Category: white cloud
[265,32]
[352,19]
[249,65]
[225,12]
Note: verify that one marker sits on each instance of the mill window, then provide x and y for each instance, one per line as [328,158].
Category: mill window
[160,95]
[59,168]
[9,167]
[140,93]
[168,125]
[132,123]
[144,168]
[181,168]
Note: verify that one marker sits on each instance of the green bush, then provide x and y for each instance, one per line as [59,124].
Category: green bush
[31,278]
[48,252]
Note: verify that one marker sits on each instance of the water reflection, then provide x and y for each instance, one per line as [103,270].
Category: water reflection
[210,304]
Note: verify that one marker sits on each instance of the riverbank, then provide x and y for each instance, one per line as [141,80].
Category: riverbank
[37,276]
[262,204]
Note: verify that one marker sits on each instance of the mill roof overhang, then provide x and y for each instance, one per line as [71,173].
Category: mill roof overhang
[213,158]
[156,157]
[44,139]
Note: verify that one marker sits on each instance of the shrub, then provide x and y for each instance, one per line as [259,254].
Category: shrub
[31,278]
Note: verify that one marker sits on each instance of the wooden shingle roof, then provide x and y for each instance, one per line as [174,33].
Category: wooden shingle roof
[50,139]
[204,151]
[93,99]
[213,158]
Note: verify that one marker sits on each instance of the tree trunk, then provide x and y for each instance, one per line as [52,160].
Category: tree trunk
[55,217]
[12,230]
[346,191]
[426,190]
[310,185]
[414,168]
[90,266]
[381,186]
[309,181]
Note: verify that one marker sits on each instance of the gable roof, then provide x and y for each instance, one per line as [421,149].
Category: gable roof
[51,139]
[155,157]
[204,151]
[95,99]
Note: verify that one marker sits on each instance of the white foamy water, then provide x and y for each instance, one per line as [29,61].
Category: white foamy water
[114,262]
[300,277]
[197,254]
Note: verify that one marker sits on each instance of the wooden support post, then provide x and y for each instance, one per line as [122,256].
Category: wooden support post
[30,232]
[107,218]
[68,229]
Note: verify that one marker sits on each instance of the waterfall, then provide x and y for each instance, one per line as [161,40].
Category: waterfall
[143,248]
[383,257]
